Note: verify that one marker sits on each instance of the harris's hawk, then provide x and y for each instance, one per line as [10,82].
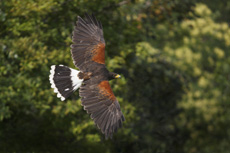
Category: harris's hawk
[88,53]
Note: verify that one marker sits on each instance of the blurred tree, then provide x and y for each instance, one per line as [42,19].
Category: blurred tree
[174,93]
[199,47]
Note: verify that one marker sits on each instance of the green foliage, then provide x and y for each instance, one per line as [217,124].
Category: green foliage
[174,59]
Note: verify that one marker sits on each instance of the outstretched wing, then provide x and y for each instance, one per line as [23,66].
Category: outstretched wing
[88,43]
[99,101]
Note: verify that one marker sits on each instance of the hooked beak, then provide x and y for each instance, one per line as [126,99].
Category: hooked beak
[117,76]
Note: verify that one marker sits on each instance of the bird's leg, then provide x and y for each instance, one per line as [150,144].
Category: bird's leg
[85,75]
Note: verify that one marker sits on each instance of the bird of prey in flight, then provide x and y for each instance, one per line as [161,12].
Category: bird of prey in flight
[92,78]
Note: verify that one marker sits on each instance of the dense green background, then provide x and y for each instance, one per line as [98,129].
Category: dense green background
[174,56]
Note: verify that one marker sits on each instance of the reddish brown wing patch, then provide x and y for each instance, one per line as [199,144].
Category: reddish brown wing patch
[99,53]
[106,90]
[88,45]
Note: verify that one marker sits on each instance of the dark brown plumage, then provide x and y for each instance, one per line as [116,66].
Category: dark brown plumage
[88,53]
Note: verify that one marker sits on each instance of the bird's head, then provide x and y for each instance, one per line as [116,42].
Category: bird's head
[113,75]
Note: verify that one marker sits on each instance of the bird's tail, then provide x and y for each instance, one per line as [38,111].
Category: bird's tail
[64,80]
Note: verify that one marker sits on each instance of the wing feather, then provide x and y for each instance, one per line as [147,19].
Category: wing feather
[100,120]
[99,101]
[88,45]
